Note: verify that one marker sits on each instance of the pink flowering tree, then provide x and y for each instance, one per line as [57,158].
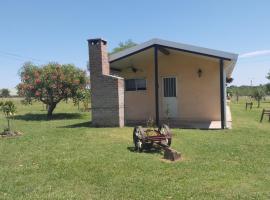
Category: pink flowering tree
[50,83]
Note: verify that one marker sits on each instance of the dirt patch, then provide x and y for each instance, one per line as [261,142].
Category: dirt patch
[10,134]
[170,161]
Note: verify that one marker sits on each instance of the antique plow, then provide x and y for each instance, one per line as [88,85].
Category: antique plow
[147,138]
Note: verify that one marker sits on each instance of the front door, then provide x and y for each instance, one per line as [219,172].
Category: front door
[169,97]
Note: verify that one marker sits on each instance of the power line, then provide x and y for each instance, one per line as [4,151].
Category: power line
[12,58]
[18,56]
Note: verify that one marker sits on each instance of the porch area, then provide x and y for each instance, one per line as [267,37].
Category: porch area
[189,124]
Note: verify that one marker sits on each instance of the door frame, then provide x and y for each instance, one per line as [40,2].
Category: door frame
[162,92]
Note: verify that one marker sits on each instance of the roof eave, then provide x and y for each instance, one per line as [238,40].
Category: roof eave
[170,44]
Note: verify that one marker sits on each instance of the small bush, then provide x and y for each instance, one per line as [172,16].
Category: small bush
[8,108]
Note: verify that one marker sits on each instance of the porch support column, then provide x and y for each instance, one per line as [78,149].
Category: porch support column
[156,83]
[222,94]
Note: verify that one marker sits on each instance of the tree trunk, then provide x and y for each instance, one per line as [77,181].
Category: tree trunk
[51,107]
[8,124]
[259,102]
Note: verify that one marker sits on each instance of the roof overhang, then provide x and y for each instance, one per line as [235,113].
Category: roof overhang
[229,58]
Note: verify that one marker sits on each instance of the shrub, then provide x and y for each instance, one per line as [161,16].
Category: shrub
[9,109]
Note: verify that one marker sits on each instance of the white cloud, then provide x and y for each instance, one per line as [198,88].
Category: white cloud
[255,53]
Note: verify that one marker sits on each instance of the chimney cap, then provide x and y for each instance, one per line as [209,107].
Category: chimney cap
[96,40]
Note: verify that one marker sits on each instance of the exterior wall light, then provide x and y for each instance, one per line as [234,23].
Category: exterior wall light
[199,72]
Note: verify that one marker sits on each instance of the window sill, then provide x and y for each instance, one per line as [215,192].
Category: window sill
[137,91]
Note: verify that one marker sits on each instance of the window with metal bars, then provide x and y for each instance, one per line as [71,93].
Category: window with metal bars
[169,85]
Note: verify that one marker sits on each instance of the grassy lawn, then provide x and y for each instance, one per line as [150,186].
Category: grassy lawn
[66,159]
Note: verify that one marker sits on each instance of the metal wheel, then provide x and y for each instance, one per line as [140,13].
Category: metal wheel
[138,138]
[165,130]
[148,146]
[169,141]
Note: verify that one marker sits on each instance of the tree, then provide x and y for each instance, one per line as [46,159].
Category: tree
[233,91]
[268,84]
[83,96]
[86,99]
[50,83]
[5,93]
[258,94]
[88,66]
[9,109]
[267,88]
[268,76]
[123,45]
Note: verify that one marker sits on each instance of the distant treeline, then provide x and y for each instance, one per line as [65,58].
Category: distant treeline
[257,93]
[246,90]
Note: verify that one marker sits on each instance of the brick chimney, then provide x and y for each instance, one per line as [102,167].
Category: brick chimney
[98,56]
[107,91]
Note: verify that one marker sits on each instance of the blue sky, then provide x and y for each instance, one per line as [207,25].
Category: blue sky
[43,31]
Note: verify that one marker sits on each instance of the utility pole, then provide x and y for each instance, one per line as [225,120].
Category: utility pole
[251,81]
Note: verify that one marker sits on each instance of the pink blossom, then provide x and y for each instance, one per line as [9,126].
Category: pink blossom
[37,81]
[37,93]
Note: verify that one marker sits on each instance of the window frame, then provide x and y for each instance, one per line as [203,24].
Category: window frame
[136,87]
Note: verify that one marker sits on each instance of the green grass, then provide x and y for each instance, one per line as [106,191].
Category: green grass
[66,159]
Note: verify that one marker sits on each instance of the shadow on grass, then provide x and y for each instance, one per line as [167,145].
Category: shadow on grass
[153,150]
[43,117]
[87,124]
